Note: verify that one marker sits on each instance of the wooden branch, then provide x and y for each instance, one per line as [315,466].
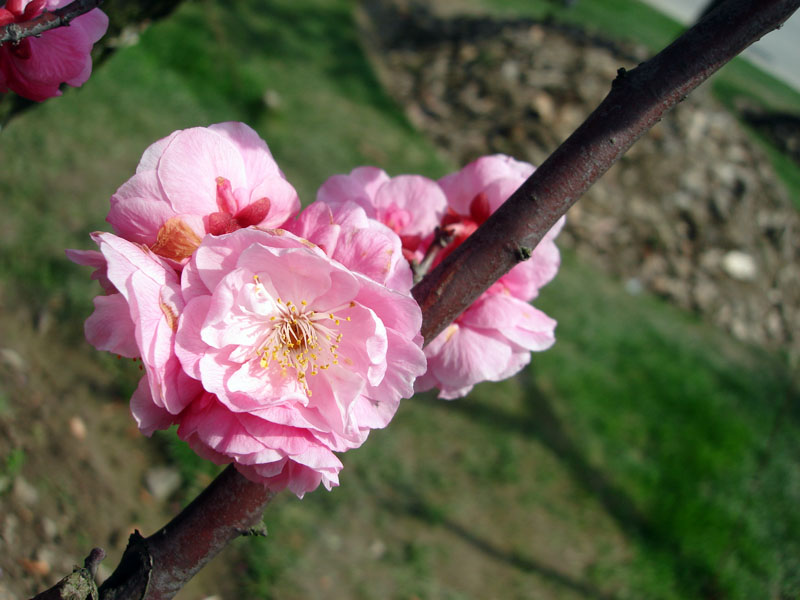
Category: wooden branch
[157,567]
[14,32]
[637,101]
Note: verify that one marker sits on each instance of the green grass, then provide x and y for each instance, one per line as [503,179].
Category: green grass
[645,456]
[697,432]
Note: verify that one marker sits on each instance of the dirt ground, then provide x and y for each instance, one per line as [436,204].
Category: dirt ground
[75,473]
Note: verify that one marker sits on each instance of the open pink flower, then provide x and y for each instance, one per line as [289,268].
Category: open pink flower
[474,193]
[201,180]
[494,337]
[265,351]
[300,356]
[36,66]
[490,341]
[410,205]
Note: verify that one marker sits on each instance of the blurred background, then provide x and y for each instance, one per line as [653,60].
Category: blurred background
[654,452]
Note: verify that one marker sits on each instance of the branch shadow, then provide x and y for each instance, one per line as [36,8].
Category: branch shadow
[414,505]
[540,421]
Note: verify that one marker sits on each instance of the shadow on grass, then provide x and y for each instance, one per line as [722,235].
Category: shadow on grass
[540,421]
[413,504]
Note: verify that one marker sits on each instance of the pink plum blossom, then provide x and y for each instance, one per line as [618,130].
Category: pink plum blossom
[35,67]
[491,340]
[474,193]
[269,349]
[299,355]
[265,351]
[198,181]
[410,205]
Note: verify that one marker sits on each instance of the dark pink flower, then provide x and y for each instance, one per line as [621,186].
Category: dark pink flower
[36,66]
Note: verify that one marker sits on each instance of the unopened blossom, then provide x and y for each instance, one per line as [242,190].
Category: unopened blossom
[410,205]
[198,181]
[35,67]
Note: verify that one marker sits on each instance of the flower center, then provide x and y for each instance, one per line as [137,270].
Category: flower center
[299,338]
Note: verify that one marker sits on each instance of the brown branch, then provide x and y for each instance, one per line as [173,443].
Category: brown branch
[637,101]
[155,568]
[14,32]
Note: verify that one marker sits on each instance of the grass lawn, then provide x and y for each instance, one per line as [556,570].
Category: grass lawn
[645,456]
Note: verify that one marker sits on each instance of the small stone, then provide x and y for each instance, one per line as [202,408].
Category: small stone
[35,567]
[468,52]
[13,359]
[710,259]
[49,528]
[739,265]
[543,104]
[705,294]
[726,172]
[509,71]
[47,556]
[162,482]
[272,99]
[24,492]
[634,286]
[377,549]
[740,330]
[77,428]
[9,532]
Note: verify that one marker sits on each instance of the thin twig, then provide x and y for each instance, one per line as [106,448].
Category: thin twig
[442,237]
[14,32]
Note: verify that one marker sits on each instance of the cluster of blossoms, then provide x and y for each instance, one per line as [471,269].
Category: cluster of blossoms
[35,67]
[274,340]
[491,340]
